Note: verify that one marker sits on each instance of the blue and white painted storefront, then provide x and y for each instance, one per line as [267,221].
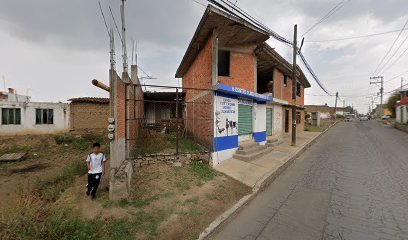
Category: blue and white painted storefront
[239,115]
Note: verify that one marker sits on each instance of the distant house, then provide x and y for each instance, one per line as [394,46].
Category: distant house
[88,113]
[326,112]
[20,116]
[12,96]
[401,109]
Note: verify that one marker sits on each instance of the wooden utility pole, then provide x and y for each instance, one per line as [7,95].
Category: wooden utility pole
[335,106]
[294,85]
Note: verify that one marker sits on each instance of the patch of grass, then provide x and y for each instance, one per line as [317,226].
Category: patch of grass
[80,142]
[65,227]
[183,184]
[51,189]
[194,212]
[202,170]
[119,229]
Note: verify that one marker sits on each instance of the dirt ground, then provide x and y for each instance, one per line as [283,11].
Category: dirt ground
[44,159]
[167,202]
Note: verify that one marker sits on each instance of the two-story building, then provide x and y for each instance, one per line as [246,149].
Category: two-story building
[244,82]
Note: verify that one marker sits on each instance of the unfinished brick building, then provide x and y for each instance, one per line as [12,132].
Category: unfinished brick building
[243,81]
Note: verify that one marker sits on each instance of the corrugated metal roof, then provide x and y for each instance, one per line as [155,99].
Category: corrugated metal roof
[89,100]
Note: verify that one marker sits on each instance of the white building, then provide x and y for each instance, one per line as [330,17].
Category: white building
[20,116]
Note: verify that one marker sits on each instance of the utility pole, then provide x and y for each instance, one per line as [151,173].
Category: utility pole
[379,80]
[294,83]
[402,82]
[335,106]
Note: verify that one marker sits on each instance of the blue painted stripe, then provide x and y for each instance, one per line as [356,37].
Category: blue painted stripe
[259,136]
[224,143]
[220,87]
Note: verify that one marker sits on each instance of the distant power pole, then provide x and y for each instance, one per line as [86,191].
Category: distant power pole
[402,82]
[335,106]
[379,80]
[294,83]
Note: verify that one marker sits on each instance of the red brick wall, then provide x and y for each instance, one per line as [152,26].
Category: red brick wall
[242,71]
[287,91]
[198,103]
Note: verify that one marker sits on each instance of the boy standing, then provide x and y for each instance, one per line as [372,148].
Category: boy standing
[96,168]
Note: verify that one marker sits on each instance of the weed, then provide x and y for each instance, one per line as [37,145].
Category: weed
[182,184]
[119,229]
[202,171]
[194,212]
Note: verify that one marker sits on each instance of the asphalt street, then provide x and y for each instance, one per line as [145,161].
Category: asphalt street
[351,184]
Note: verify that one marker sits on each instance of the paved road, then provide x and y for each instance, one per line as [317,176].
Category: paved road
[352,184]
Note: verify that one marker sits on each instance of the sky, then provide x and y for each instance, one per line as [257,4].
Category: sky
[52,49]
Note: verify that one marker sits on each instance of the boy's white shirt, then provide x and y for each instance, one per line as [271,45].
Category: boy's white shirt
[95,161]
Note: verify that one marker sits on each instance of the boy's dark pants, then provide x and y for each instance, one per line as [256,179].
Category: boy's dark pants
[93,183]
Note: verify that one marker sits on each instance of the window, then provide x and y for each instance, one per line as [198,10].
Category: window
[11,116]
[224,63]
[44,116]
[298,89]
[285,80]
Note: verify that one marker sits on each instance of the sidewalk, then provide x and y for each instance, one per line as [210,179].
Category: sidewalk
[251,173]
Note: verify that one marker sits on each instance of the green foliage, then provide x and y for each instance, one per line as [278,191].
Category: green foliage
[119,229]
[392,101]
[80,142]
[202,170]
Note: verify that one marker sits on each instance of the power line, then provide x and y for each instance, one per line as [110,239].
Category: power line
[327,15]
[244,15]
[356,37]
[395,52]
[389,50]
[397,59]
[199,3]
[104,19]
[116,25]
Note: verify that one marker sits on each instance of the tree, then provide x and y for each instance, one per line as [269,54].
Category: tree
[392,101]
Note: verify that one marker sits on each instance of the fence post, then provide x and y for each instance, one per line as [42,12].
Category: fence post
[177,122]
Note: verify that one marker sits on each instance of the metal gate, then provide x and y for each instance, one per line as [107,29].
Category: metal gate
[244,119]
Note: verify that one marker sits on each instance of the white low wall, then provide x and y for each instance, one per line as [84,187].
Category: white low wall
[28,114]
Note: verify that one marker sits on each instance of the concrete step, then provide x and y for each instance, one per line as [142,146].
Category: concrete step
[272,140]
[247,146]
[274,143]
[251,150]
[252,156]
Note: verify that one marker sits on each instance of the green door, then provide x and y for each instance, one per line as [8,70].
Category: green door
[269,121]
[244,119]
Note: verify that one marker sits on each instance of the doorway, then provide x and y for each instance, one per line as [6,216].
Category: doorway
[286,120]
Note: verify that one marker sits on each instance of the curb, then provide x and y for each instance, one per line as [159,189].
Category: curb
[261,184]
